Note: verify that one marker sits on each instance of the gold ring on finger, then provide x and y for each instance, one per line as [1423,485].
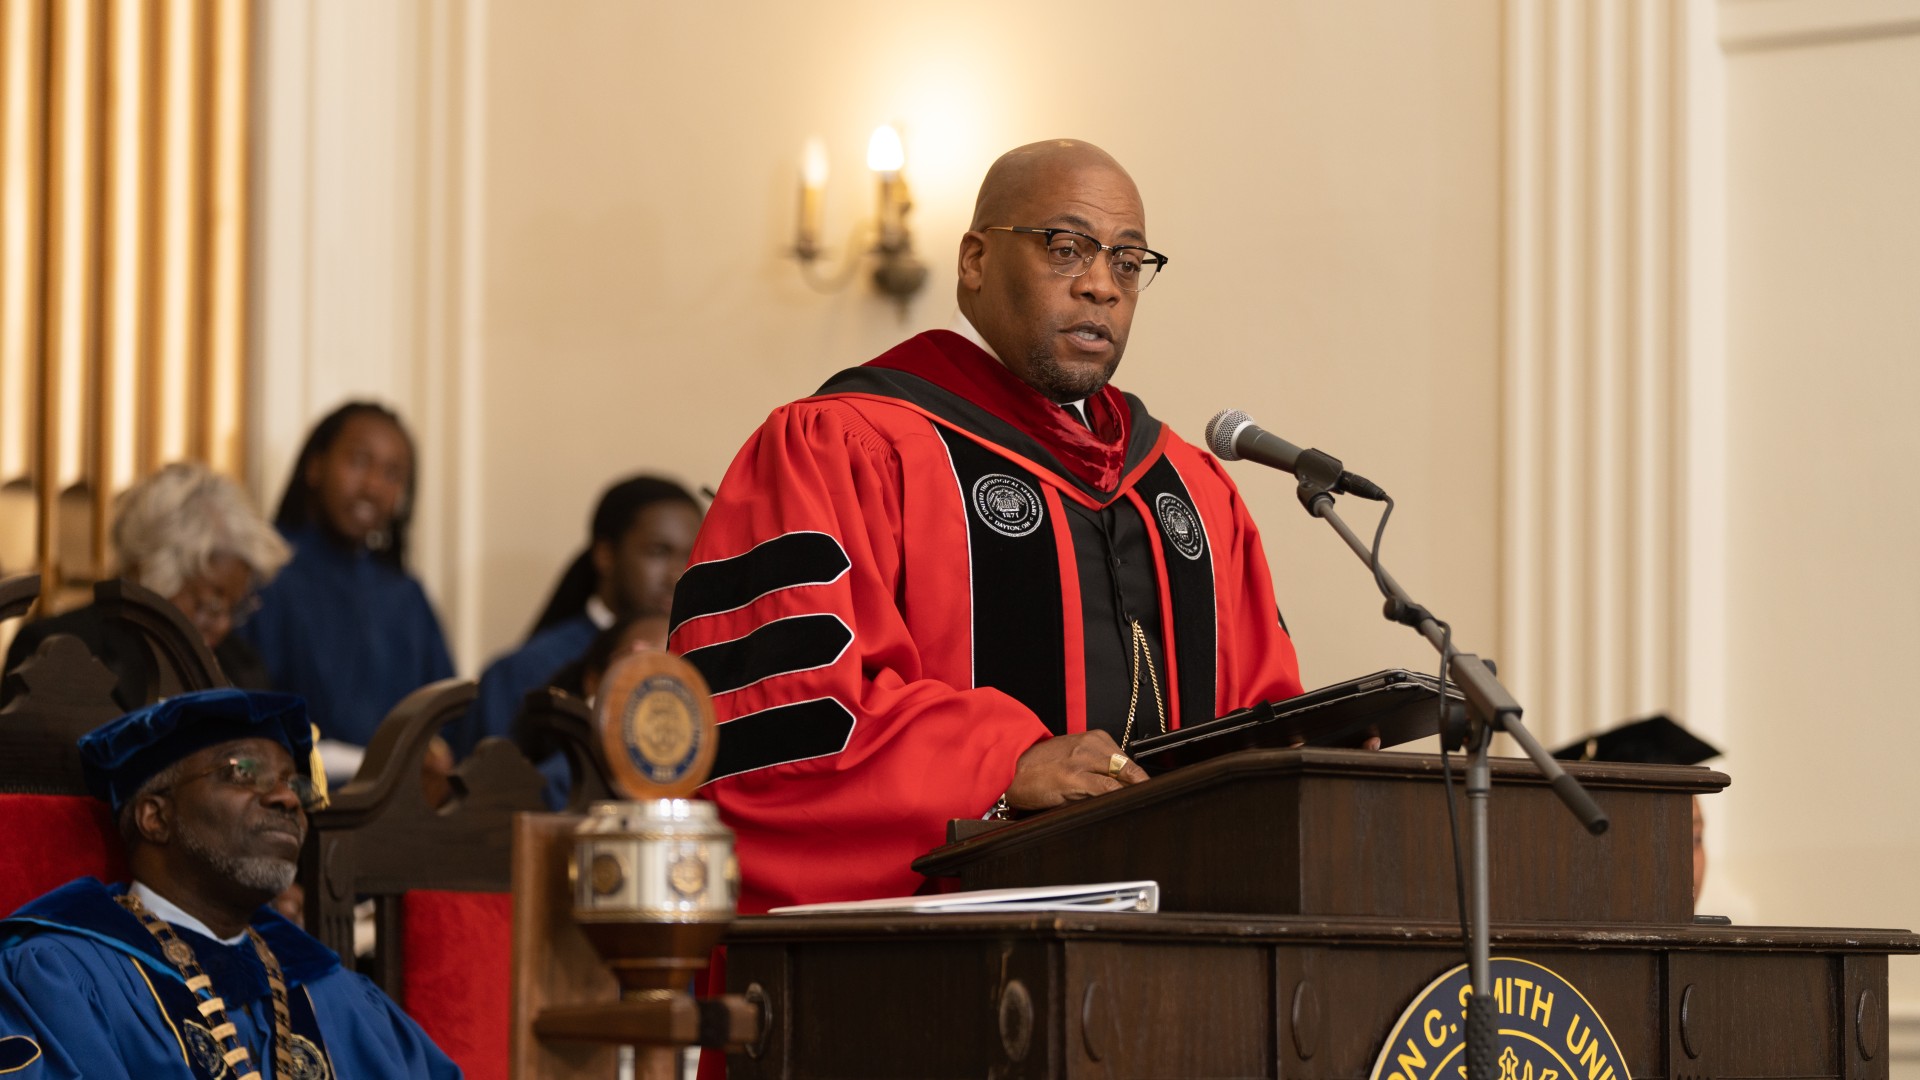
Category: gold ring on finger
[1116,765]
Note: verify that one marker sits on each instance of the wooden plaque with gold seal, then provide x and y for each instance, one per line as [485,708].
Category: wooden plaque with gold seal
[656,726]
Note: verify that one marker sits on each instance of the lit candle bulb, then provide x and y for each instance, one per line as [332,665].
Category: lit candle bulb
[886,157]
[884,152]
[813,182]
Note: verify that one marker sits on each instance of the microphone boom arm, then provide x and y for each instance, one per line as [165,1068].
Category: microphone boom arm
[1487,699]
[1490,708]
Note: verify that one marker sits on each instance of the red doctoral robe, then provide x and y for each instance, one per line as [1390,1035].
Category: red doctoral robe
[911,577]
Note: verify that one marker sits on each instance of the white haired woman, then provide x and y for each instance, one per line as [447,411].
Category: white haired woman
[195,538]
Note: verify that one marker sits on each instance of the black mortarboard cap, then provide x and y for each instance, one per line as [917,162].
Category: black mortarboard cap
[1656,740]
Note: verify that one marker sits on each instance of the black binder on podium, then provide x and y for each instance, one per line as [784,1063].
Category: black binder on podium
[1397,705]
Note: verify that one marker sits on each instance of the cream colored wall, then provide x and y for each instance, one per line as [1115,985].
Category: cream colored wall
[1823,502]
[1324,177]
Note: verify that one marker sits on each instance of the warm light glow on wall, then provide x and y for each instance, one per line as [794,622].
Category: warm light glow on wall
[123,221]
[897,272]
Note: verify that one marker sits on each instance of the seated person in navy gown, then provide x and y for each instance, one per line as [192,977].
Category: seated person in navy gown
[192,536]
[185,972]
[344,625]
[628,634]
[642,532]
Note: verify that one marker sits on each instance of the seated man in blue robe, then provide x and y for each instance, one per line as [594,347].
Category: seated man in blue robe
[186,972]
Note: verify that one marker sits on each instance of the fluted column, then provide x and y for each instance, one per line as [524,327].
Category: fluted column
[1598,463]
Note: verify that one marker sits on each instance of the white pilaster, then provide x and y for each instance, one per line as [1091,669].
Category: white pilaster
[1597,359]
[367,261]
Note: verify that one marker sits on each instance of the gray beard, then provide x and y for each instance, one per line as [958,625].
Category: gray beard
[261,872]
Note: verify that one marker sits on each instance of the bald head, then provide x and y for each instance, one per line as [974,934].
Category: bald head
[1061,334]
[1020,173]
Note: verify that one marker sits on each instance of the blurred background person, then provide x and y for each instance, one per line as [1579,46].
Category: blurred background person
[345,625]
[195,538]
[638,544]
[629,634]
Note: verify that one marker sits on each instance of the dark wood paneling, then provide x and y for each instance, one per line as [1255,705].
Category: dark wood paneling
[1384,849]
[1753,1014]
[764,974]
[1332,832]
[937,1009]
[553,962]
[1863,1017]
[1168,995]
[1124,1002]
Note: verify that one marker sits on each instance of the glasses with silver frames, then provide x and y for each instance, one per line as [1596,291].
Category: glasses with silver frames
[254,775]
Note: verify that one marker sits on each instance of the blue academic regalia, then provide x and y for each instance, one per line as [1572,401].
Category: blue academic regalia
[350,632]
[510,678]
[85,992]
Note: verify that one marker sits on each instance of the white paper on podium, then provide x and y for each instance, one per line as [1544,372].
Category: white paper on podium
[1105,896]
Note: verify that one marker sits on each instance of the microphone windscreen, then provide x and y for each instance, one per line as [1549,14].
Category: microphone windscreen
[1220,432]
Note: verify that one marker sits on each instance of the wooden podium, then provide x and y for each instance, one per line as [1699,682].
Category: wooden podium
[1307,897]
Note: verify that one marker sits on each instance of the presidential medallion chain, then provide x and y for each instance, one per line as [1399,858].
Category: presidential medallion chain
[1141,655]
[282,1016]
[214,1009]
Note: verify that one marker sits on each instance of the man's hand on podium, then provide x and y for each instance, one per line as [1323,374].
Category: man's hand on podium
[1069,767]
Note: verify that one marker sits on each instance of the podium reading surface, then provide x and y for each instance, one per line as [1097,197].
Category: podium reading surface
[1307,896]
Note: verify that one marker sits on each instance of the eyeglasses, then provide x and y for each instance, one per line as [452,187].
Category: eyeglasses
[254,775]
[1070,254]
[202,612]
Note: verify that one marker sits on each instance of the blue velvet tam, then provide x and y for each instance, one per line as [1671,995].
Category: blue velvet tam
[119,756]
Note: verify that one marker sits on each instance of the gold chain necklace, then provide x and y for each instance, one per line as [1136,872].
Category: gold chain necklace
[1140,652]
[214,1009]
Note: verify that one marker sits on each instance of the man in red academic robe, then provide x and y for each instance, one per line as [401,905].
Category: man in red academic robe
[967,575]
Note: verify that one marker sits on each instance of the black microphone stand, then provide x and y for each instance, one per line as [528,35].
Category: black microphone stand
[1490,708]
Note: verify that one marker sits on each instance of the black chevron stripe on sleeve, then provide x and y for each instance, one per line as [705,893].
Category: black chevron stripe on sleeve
[780,647]
[787,561]
[778,736]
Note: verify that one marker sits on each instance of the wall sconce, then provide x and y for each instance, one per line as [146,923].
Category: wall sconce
[897,272]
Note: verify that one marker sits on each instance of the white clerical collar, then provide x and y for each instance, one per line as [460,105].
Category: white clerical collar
[964,327]
[169,912]
[599,613]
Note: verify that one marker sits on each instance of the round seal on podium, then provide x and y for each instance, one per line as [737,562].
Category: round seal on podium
[656,726]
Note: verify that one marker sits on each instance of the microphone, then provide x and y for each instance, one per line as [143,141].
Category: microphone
[1232,435]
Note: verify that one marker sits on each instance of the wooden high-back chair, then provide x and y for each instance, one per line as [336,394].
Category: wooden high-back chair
[51,830]
[136,617]
[439,878]
[185,662]
[552,719]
